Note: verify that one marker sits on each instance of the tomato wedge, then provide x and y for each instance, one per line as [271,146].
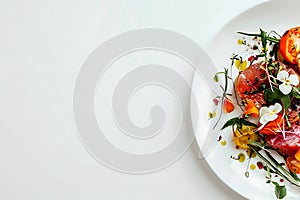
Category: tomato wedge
[289,46]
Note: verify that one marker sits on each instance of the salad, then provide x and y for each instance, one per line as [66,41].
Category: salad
[266,92]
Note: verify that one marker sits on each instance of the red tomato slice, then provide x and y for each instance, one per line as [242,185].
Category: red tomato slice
[289,45]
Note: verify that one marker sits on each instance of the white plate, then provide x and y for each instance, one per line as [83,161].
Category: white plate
[273,15]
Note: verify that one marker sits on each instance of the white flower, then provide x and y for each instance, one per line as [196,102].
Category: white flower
[287,81]
[268,114]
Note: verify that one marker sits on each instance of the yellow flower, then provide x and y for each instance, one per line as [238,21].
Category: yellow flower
[243,136]
[240,41]
[241,65]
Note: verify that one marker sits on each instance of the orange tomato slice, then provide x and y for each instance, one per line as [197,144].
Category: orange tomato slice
[289,45]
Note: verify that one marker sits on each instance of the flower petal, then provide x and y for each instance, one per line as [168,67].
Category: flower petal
[263,110]
[283,75]
[294,79]
[263,121]
[270,117]
[277,107]
[285,88]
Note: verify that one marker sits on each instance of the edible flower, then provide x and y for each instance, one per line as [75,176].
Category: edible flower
[242,136]
[273,127]
[270,113]
[287,81]
[228,106]
[251,109]
[241,65]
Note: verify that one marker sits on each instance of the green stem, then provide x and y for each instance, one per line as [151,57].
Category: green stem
[287,177]
[268,162]
[271,39]
[291,178]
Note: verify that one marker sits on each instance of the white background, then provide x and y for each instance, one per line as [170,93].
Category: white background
[42,47]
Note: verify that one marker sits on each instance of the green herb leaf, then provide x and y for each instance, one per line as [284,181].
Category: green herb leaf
[275,96]
[239,122]
[216,78]
[296,93]
[267,169]
[231,122]
[294,175]
[280,190]
[247,123]
[286,101]
[263,36]
[272,96]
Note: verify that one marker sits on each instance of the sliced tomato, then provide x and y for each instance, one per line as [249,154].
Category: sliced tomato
[289,45]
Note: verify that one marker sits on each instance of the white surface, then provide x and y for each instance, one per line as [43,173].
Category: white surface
[43,45]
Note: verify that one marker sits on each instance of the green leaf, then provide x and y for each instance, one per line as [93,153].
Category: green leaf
[286,101]
[294,175]
[280,191]
[267,169]
[272,96]
[276,95]
[247,123]
[216,78]
[238,121]
[231,122]
[263,36]
[296,93]
[275,183]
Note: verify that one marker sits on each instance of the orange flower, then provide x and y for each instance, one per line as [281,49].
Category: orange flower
[271,127]
[228,106]
[251,109]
